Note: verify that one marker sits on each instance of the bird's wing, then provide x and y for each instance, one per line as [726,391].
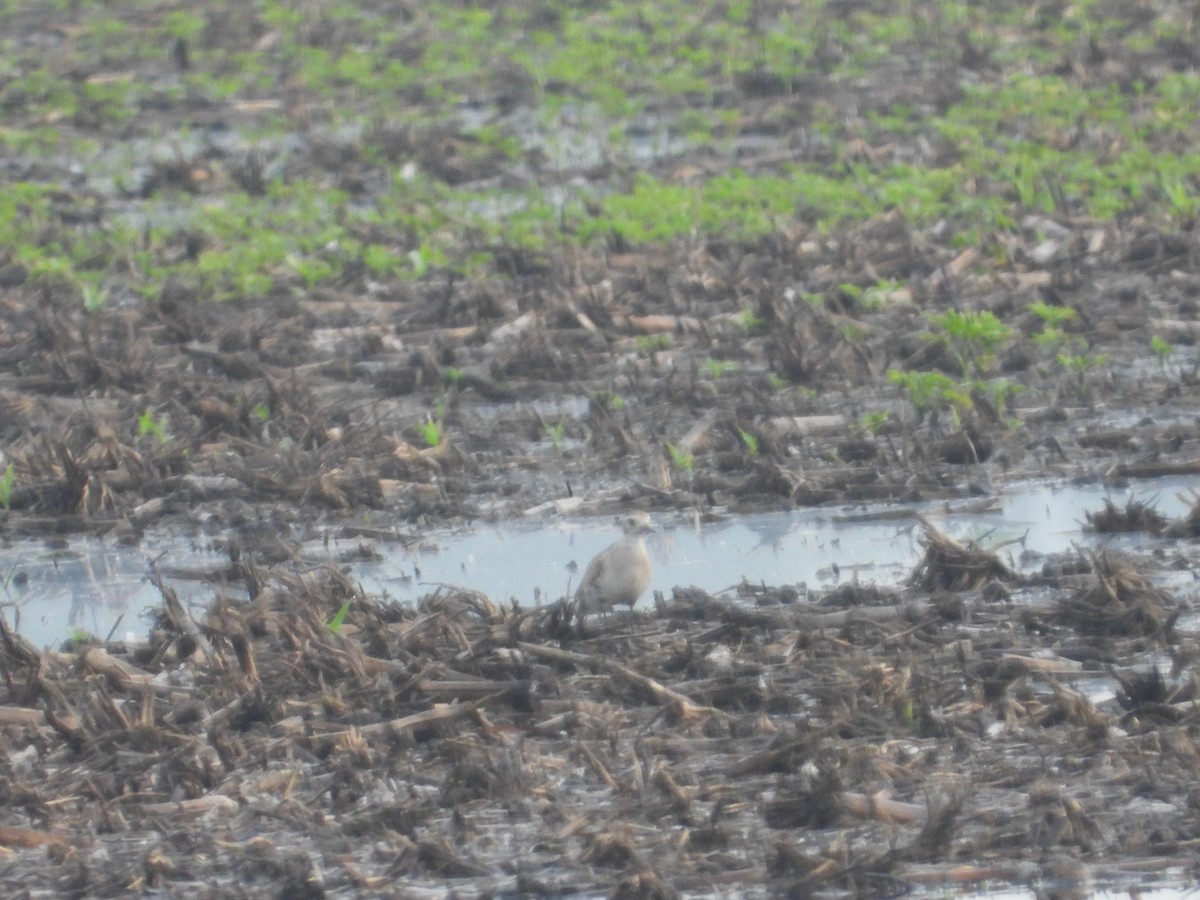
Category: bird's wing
[591,577]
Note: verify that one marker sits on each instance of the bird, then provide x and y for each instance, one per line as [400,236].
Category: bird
[620,573]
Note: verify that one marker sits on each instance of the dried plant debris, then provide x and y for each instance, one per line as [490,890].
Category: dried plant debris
[702,741]
[1135,516]
[852,594]
[1140,688]
[1119,601]
[948,565]
[1187,525]
[1060,568]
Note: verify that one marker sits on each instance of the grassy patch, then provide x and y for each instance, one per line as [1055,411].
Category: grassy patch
[445,141]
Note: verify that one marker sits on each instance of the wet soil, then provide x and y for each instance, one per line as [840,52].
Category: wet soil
[867,740]
[555,405]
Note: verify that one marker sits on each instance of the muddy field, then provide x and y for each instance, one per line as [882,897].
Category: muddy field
[870,739]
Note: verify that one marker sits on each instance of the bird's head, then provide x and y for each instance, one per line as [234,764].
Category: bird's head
[636,524]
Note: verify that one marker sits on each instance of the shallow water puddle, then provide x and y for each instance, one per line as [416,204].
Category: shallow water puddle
[816,548]
[97,587]
[92,586]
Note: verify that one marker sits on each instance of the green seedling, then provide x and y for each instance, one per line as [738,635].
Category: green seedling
[148,425]
[853,332]
[94,297]
[1081,363]
[557,431]
[905,712]
[1051,337]
[652,343]
[719,367]
[183,24]
[454,376]
[261,411]
[1053,319]
[750,440]
[1053,316]
[873,422]
[749,321]
[681,459]
[1162,349]
[6,486]
[339,618]
[973,337]
[611,401]
[997,390]
[928,390]
[431,431]
[884,293]
[379,259]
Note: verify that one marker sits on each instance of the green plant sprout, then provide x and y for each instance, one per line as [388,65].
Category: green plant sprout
[148,424]
[556,432]
[1081,363]
[339,618]
[927,390]
[719,367]
[1050,336]
[852,331]
[1053,318]
[906,713]
[431,431]
[997,390]
[610,400]
[652,343]
[6,486]
[94,297]
[749,321]
[874,421]
[261,411]
[884,293]
[681,459]
[1162,349]
[750,440]
[850,290]
[973,337]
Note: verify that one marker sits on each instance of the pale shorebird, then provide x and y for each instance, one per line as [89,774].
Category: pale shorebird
[620,573]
